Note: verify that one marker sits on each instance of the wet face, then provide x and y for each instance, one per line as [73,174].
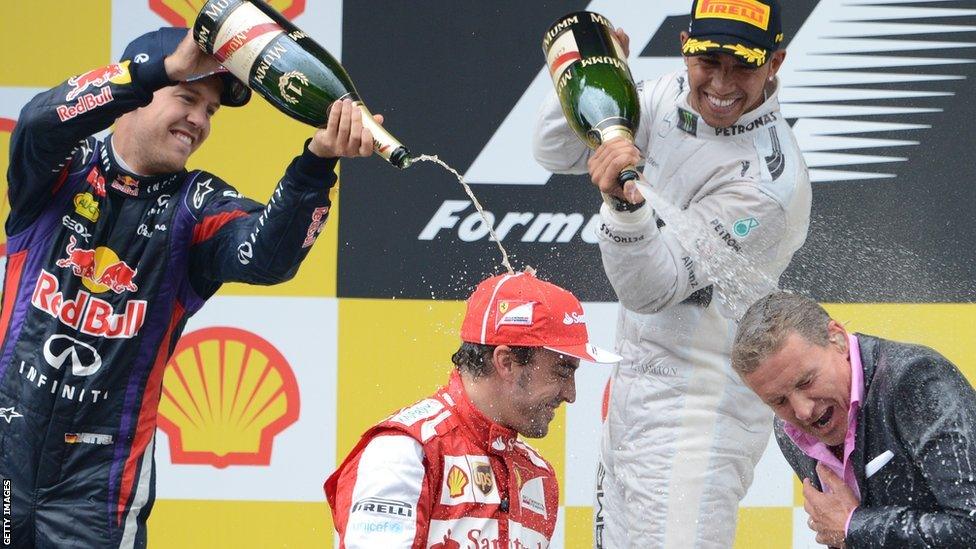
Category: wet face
[724,87]
[540,386]
[808,386]
[160,137]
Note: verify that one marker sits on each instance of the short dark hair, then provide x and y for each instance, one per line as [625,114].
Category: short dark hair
[768,322]
[476,359]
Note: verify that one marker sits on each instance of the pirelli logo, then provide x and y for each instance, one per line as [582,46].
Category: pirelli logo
[747,11]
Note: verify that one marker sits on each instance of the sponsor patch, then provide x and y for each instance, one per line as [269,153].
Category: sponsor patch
[117,73]
[532,496]
[461,475]
[85,103]
[574,318]
[747,11]
[97,181]
[515,313]
[9,414]
[383,506]
[457,481]
[126,184]
[315,227]
[484,478]
[424,409]
[86,206]
[687,121]
[88,438]
[743,227]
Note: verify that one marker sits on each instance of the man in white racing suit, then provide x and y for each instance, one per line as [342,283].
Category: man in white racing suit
[682,433]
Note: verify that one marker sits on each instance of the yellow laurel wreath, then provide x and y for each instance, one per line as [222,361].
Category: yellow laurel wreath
[755,56]
[693,45]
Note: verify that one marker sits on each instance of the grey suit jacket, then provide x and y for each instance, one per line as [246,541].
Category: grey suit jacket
[918,406]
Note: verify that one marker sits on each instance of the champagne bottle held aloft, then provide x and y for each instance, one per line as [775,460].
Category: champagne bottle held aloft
[283,64]
[593,81]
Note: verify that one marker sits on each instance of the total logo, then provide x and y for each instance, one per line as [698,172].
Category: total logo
[233,418]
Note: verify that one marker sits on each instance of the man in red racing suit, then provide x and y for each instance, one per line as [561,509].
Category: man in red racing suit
[451,469]
[112,246]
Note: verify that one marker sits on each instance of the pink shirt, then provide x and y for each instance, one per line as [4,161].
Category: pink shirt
[819,451]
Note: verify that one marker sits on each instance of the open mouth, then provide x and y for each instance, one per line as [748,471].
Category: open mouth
[824,420]
[183,137]
[718,104]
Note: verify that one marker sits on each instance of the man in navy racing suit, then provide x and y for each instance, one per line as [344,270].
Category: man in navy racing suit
[112,246]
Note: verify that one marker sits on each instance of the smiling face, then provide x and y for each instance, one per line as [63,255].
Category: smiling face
[724,86]
[548,380]
[160,137]
[807,385]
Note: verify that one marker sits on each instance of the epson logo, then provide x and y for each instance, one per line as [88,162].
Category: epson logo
[458,217]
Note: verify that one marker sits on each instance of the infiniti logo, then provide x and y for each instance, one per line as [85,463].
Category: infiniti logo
[85,360]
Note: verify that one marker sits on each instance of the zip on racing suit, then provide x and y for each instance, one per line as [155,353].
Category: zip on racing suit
[683,433]
[104,267]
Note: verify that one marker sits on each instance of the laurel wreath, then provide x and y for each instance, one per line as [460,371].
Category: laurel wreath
[755,56]
[693,45]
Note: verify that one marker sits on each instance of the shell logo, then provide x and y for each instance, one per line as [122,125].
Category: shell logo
[227,393]
[457,481]
[182,13]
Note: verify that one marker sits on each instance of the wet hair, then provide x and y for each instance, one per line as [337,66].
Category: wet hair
[476,359]
[767,324]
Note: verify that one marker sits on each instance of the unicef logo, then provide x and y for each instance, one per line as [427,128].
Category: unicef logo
[743,227]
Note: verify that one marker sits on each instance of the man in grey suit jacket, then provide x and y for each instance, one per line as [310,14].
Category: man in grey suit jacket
[883,434]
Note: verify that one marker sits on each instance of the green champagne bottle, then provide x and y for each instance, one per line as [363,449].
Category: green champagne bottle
[593,81]
[283,64]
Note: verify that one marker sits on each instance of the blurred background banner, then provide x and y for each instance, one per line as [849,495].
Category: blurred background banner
[272,385]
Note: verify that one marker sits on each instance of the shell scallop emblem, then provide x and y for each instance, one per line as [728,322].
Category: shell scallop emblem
[227,393]
[457,481]
[182,13]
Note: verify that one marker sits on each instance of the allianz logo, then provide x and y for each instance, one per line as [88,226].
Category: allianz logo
[460,218]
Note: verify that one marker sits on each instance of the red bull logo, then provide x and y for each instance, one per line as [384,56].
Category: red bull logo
[182,13]
[117,276]
[118,73]
[87,102]
[86,313]
[128,185]
[80,261]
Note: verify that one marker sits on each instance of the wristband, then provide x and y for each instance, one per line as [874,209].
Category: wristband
[621,205]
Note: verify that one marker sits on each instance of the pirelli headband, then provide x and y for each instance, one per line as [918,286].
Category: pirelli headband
[748,29]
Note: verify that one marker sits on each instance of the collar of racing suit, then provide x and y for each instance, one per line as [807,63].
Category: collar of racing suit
[689,121]
[133,185]
[490,435]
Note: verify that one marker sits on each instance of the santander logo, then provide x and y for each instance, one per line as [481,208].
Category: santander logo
[574,318]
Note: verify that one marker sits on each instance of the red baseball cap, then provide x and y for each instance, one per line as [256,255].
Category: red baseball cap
[521,310]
